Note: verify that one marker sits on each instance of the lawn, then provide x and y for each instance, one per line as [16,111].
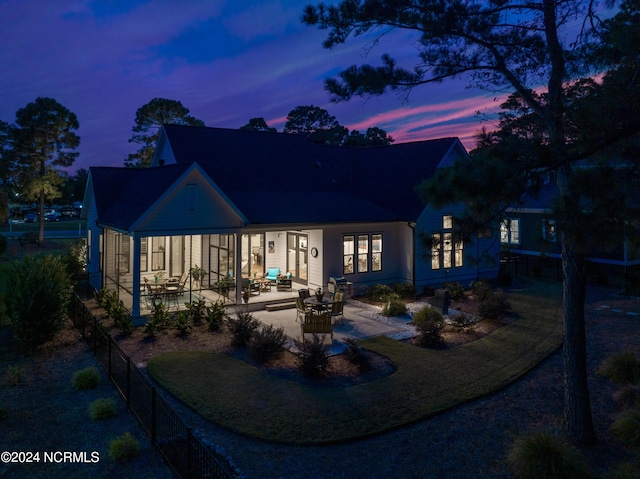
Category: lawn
[250,401]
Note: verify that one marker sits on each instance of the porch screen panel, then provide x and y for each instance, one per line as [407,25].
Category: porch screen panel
[123,253]
[158,253]
[348,251]
[363,253]
[376,252]
[144,245]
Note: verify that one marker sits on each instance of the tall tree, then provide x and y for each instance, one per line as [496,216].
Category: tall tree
[496,44]
[258,124]
[317,124]
[44,143]
[149,121]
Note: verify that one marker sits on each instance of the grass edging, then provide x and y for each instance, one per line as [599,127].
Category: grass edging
[250,401]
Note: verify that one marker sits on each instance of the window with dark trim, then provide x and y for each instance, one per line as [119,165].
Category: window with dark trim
[510,231]
[368,256]
[157,253]
[446,250]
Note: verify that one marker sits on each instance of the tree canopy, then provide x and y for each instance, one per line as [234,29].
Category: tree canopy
[532,49]
[258,124]
[44,142]
[148,123]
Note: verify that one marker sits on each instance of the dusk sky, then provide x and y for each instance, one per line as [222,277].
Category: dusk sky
[226,61]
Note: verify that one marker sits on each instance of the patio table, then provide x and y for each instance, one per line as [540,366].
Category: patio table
[322,305]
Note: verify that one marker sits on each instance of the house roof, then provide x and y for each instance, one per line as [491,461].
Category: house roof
[277,178]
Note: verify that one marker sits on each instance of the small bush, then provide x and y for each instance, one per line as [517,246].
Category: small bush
[242,328]
[404,290]
[542,456]
[456,290]
[356,355]
[313,360]
[395,307]
[627,396]
[197,311]
[378,292]
[121,317]
[215,316]
[461,321]
[493,305]
[627,426]
[15,374]
[267,344]
[124,448]
[158,321]
[87,378]
[183,323]
[621,368]
[101,409]
[429,324]
[481,289]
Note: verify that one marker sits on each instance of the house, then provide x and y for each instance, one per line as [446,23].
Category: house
[239,203]
[529,240]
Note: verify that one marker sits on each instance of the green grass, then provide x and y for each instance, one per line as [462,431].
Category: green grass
[247,400]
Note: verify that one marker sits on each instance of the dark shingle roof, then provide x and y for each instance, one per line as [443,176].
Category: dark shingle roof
[276,178]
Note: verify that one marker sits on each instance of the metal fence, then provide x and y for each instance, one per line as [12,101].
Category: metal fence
[186,455]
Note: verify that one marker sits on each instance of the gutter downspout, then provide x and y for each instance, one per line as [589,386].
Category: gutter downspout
[412,227]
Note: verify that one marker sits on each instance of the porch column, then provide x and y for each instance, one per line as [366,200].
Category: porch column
[135,306]
[238,267]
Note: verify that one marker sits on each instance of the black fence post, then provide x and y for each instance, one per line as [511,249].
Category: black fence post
[153,416]
[128,382]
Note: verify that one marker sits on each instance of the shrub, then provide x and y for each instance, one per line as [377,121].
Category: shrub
[481,289]
[197,311]
[121,317]
[183,323]
[493,305]
[355,355]
[395,307]
[461,321]
[87,378]
[75,258]
[158,321]
[313,360]
[101,409]
[242,328]
[627,396]
[621,368]
[267,343]
[456,290]
[429,324]
[37,297]
[627,426]
[215,316]
[542,456]
[378,292]
[15,374]
[404,290]
[124,448]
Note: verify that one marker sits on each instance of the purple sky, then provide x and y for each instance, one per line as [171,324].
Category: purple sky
[226,61]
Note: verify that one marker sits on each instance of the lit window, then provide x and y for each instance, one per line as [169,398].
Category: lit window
[348,251]
[157,253]
[445,252]
[376,252]
[363,253]
[549,230]
[368,256]
[510,231]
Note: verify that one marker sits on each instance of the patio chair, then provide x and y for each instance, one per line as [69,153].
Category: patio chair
[316,323]
[337,310]
[301,308]
[182,283]
[304,294]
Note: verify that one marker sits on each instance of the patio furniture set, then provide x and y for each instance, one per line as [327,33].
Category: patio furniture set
[318,313]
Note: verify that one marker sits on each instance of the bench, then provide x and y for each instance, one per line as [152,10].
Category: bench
[440,301]
[316,323]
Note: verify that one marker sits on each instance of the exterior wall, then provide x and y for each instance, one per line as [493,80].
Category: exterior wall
[481,257]
[396,253]
[93,261]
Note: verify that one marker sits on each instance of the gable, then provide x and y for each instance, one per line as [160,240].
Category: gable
[193,204]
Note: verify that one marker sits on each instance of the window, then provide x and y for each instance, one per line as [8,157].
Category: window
[363,253]
[510,231]
[446,252]
[143,254]
[549,230]
[157,253]
[122,253]
[369,254]
[376,252]
[348,250]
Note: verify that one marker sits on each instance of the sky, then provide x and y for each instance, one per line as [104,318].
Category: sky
[227,61]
